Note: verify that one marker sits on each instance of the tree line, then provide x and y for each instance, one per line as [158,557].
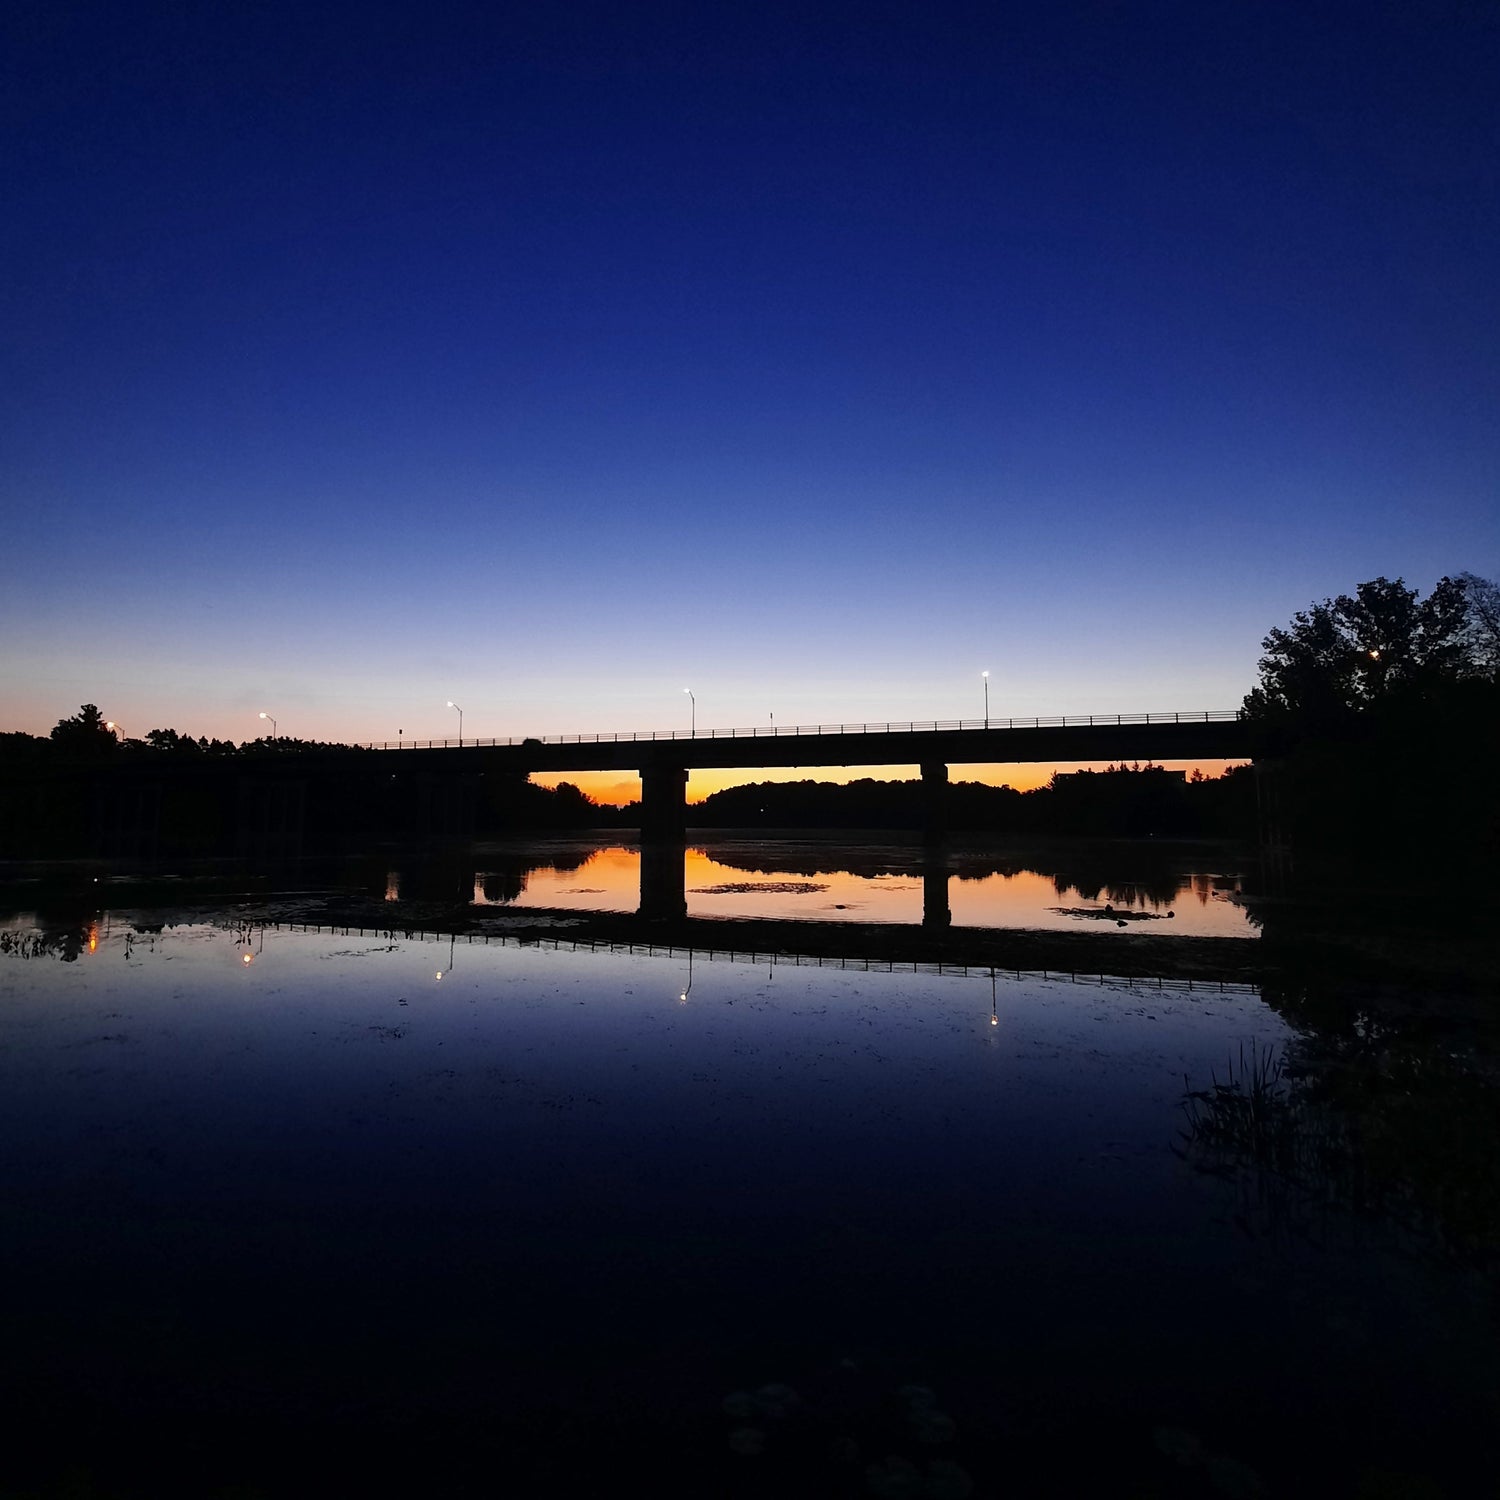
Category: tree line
[89,736]
[1121,801]
[1376,718]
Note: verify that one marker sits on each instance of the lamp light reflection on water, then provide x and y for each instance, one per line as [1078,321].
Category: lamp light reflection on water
[247,954]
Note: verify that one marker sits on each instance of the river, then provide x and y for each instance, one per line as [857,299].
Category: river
[309,1211]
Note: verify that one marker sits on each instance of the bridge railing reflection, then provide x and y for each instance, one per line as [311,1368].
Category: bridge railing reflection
[776,958]
[781,731]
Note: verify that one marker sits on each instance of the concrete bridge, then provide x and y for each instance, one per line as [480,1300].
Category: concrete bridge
[663,760]
[282,801]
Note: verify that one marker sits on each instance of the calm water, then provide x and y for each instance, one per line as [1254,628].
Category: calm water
[327,1213]
[1174,889]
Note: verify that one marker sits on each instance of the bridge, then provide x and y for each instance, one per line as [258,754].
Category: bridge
[664,758]
[280,801]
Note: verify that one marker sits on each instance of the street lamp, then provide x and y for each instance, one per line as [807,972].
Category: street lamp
[986,677]
[692,711]
[460,712]
[114,728]
[272,723]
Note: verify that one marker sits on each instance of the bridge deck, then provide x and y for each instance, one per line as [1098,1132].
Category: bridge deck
[1158,738]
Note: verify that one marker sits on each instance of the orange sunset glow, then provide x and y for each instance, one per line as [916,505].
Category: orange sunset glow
[611,789]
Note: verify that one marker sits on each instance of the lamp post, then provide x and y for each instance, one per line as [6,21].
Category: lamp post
[692,712]
[986,677]
[460,712]
[272,723]
[114,728]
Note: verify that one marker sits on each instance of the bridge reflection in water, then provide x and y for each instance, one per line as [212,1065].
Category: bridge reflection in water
[890,881]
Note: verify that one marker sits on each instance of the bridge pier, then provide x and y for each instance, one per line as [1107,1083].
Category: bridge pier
[663,840]
[663,803]
[934,800]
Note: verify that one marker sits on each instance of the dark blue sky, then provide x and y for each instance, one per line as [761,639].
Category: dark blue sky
[818,357]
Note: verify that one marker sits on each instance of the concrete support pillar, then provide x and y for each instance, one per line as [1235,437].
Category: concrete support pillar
[934,800]
[663,839]
[663,804]
[663,881]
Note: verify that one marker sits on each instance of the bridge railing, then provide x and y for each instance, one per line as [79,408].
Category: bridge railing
[782,731]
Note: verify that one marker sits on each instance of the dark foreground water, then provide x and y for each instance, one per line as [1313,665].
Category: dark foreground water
[300,1213]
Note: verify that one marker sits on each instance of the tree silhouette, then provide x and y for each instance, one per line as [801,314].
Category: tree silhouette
[84,735]
[1482,633]
[1358,650]
[1362,694]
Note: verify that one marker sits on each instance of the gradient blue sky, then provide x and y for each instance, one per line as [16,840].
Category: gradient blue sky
[549,359]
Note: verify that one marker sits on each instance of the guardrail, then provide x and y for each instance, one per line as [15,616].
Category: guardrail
[782,731]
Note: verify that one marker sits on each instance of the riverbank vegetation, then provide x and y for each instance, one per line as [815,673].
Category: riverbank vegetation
[1377,717]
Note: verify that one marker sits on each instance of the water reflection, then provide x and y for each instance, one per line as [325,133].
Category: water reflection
[1122,886]
[1068,888]
[897,1226]
[1359,1119]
